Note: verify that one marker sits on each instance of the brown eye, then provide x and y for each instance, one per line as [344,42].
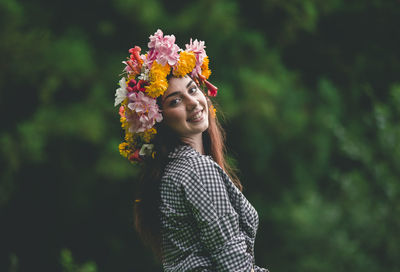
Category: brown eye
[193,89]
[174,102]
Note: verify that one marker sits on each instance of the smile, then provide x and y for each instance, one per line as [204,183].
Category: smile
[199,116]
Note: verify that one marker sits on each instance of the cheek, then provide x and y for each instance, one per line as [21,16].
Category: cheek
[207,107]
[172,116]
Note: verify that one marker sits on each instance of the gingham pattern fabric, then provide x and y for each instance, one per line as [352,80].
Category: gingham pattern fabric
[206,222]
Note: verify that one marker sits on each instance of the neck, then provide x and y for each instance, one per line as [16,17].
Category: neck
[195,141]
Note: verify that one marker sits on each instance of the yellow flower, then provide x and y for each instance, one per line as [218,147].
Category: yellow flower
[205,71]
[148,134]
[129,137]
[124,149]
[159,72]
[158,79]
[205,63]
[213,111]
[130,76]
[157,88]
[186,64]
[124,123]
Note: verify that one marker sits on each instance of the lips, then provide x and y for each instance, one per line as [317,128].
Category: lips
[198,116]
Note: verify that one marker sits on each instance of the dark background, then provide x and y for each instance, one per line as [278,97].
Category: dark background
[310,94]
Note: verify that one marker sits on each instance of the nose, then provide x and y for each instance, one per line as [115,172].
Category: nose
[191,102]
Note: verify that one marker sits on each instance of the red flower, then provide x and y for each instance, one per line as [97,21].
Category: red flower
[135,156]
[212,90]
[134,66]
[135,55]
[141,85]
[122,111]
[136,86]
[131,85]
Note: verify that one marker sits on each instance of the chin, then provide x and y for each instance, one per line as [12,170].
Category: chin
[198,130]
[203,127]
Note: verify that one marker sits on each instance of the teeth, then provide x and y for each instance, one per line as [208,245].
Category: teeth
[197,116]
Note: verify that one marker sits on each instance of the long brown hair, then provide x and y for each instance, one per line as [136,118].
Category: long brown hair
[146,207]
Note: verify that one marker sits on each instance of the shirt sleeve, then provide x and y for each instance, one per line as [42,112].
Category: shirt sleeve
[217,222]
[259,269]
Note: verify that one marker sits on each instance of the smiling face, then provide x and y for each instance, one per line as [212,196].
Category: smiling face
[184,108]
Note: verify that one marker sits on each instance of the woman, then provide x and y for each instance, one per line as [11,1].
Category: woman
[190,208]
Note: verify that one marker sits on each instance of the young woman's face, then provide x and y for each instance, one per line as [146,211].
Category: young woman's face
[184,107]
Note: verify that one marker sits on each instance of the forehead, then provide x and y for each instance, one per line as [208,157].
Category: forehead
[176,84]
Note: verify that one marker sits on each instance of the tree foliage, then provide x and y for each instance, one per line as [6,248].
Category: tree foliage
[309,96]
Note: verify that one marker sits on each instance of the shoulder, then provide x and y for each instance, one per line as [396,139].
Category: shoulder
[199,181]
[187,165]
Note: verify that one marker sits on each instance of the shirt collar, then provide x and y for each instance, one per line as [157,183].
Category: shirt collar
[184,151]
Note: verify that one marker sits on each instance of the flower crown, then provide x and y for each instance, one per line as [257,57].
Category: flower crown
[145,79]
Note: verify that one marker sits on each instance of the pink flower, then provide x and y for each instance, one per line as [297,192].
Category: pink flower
[167,51]
[144,112]
[127,68]
[154,39]
[197,47]
[163,49]
[151,57]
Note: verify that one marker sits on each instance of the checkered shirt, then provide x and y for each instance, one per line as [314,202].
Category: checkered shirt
[206,222]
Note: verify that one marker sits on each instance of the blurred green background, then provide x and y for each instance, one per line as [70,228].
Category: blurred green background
[310,93]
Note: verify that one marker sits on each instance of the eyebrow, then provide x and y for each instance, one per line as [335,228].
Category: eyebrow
[190,83]
[175,93]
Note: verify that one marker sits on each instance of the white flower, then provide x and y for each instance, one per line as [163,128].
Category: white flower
[146,150]
[144,75]
[121,93]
